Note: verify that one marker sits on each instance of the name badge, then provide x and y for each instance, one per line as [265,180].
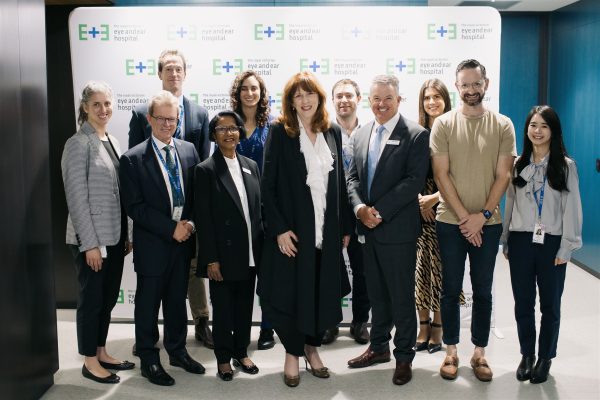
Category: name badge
[539,230]
[393,142]
[246,170]
[177,211]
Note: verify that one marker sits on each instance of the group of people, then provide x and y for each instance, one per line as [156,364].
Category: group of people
[277,201]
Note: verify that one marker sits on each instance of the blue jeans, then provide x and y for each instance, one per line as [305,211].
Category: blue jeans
[454,249]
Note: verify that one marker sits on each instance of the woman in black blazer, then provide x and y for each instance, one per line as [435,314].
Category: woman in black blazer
[302,276]
[227,208]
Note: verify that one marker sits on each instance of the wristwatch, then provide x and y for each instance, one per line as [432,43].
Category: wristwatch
[486,213]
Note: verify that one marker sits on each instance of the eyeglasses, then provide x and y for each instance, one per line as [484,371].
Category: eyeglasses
[163,120]
[225,129]
[475,85]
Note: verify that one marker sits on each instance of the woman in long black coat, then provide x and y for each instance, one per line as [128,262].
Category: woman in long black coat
[307,220]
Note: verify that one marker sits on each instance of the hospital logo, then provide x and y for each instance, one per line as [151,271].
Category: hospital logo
[97,32]
[355,33]
[140,67]
[182,32]
[316,66]
[275,101]
[273,32]
[402,65]
[441,31]
[223,66]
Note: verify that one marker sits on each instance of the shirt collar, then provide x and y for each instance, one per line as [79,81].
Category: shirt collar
[391,124]
[160,145]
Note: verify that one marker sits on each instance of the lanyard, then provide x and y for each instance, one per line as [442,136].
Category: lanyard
[541,200]
[175,182]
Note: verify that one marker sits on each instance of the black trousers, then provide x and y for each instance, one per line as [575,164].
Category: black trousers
[291,337]
[390,274]
[232,304]
[360,299]
[532,264]
[170,289]
[98,294]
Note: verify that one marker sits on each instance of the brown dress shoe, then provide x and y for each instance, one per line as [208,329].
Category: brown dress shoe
[482,370]
[449,369]
[368,358]
[403,373]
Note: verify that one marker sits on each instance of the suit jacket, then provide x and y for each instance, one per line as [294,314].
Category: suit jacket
[196,127]
[92,190]
[222,228]
[146,200]
[399,177]
[286,285]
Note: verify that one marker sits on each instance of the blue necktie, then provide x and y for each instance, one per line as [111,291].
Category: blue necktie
[178,133]
[175,190]
[374,151]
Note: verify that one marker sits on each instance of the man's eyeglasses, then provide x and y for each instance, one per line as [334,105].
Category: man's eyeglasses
[225,129]
[475,85]
[163,120]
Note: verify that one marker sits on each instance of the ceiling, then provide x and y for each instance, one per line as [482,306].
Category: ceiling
[508,5]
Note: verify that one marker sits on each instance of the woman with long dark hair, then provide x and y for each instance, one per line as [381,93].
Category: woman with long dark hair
[434,100]
[543,220]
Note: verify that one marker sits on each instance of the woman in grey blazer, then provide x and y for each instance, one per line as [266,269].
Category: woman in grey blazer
[96,228]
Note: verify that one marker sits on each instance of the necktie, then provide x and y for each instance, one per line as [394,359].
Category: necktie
[178,132]
[173,176]
[374,151]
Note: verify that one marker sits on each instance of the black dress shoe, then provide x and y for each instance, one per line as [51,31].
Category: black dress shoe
[225,375]
[360,332]
[252,370]
[134,351]
[122,366]
[539,374]
[266,339]
[157,374]
[403,373]
[204,334]
[188,363]
[525,367]
[112,378]
[330,335]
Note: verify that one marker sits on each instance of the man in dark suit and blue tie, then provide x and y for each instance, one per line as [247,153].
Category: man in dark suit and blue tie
[391,158]
[192,127]
[156,183]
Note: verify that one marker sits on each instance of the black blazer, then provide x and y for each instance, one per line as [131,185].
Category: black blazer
[196,127]
[146,200]
[399,177]
[221,225]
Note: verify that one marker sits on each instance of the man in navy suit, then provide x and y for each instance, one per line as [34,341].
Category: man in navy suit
[156,183]
[391,158]
[192,127]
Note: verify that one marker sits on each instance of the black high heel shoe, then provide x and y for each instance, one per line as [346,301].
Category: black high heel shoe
[434,347]
[420,346]
[525,368]
[252,369]
[322,372]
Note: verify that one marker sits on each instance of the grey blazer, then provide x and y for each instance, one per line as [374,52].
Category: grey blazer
[92,190]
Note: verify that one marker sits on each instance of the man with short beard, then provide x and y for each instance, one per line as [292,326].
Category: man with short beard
[473,150]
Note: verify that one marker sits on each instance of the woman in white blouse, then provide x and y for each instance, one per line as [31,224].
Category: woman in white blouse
[542,228]
[302,276]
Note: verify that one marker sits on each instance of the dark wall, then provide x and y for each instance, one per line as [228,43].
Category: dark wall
[28,335]
[573,89]
[61,125]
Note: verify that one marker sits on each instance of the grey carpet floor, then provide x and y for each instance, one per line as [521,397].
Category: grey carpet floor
[575,373]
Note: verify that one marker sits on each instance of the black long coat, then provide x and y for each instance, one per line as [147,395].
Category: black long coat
[287,286]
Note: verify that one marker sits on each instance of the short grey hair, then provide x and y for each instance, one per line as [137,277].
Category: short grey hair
[90,89]
[387,80]
[162,98]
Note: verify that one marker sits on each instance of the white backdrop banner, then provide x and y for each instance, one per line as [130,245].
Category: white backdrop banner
[120,45]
